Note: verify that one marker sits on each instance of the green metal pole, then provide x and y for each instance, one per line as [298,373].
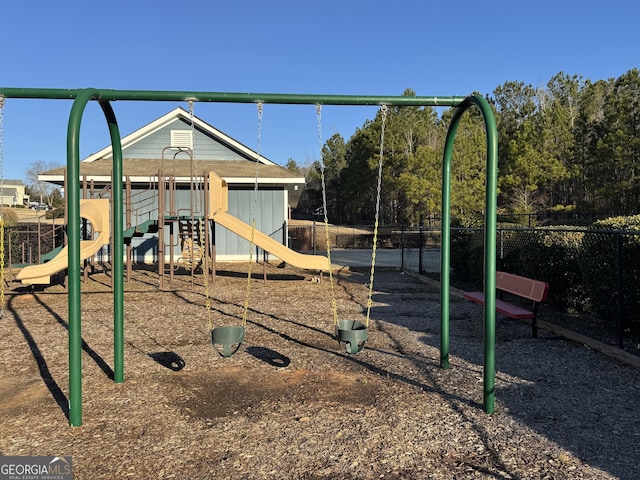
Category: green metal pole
[73,230]
[233,97]
[445,240]
[490,232]
[489,241]
[118,244]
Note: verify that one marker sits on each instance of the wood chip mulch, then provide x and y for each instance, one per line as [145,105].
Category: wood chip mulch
[291,404]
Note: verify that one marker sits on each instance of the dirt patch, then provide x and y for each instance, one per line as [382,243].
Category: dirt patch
[232,390]
[15,393]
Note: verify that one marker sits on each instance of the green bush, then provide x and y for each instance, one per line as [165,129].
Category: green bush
[9,217]
[553,256]
[467,255]
[580,265]
[600,263]
[546,254]
[55,213]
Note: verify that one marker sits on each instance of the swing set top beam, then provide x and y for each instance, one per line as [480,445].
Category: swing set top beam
[232,97]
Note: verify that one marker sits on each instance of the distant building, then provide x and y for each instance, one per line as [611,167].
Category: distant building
[165,145]
[12,193]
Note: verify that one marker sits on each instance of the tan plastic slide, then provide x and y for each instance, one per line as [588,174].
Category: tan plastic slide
[218,203]
[96,211]
[300,260]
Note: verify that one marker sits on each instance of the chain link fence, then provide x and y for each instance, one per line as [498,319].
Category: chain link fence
[416,250]
[594,274]
[27,242]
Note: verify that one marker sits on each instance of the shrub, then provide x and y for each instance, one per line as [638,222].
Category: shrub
[581,266]
[467,255]
[602,254]
[546,254]
[9,216]
[553,256]
[55,213]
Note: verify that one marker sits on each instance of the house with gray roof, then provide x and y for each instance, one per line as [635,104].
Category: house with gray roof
[12,193]
[164,164]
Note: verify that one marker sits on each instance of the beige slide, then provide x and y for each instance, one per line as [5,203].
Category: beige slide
[218,206]
[264,241]
[96,211]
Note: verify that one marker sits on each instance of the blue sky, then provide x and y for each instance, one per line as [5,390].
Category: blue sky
[324,47]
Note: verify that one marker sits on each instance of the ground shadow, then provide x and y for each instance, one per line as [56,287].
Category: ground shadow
[257,274]
[170,360]
[104,366]
[360,359]
[273,358]
[55,390]
[570,395]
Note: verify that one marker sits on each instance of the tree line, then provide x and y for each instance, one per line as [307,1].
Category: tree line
[570,145]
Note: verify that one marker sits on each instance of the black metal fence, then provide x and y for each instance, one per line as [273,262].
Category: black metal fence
[26,242]
[594,274]
[398,247]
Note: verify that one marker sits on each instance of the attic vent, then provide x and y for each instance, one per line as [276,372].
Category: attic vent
[181,139]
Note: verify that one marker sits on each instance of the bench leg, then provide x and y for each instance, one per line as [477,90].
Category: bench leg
[534,321]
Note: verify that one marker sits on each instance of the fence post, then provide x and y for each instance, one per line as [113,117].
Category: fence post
[39,242]
[620,288]
[402,247]
[313,236]
[501,257]
[420,240]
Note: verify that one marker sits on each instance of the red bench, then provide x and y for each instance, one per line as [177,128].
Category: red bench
[534,290]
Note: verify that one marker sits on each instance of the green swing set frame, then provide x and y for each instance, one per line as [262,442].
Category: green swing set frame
[81,97]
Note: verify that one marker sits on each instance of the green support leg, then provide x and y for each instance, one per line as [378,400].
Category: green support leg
[73,227]
[489,244]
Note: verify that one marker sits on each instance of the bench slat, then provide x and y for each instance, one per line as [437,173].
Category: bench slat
[535,290]
[521,286]
[505,308]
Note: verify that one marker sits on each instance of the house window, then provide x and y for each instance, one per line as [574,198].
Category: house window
[181,139]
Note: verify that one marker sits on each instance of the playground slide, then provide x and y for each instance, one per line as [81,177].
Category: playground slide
[308,262]
[97,213]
